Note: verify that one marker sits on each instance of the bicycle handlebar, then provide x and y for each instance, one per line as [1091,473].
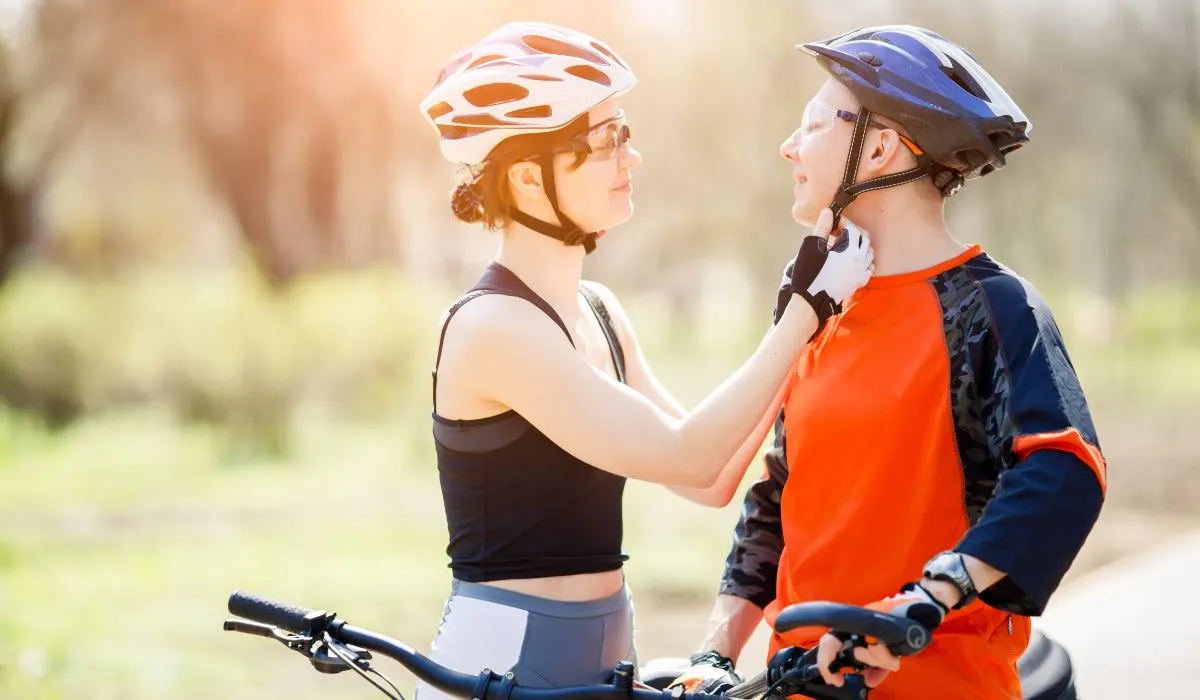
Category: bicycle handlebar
[310,627]
[903,637]
[484,686]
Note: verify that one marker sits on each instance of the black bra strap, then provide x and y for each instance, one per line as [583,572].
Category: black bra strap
[606,324]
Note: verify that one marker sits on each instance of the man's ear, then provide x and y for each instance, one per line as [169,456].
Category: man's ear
[886,151]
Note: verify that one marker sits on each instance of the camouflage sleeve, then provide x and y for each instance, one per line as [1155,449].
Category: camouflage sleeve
[753,561]
[1045,484]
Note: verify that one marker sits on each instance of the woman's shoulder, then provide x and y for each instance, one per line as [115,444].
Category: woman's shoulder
[491,318]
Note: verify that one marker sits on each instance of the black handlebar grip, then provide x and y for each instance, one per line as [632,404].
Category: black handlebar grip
[902,636]
[268,612]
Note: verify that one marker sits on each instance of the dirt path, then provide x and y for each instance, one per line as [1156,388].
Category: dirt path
[1131,627]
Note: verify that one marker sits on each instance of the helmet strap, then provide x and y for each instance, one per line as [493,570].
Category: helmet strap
[849,190]
[566,231]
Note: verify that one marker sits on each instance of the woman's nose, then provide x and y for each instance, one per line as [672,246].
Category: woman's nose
[631,157]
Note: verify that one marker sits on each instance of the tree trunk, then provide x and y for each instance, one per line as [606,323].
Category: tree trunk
[16,221]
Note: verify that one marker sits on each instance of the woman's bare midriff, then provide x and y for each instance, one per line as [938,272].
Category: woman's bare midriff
[571,589]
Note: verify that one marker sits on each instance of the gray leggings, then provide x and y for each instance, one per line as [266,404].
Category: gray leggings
[544,643]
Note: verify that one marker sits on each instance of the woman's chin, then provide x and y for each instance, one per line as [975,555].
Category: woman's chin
[618,217]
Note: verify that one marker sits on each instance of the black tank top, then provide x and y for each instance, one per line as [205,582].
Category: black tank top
[518,505]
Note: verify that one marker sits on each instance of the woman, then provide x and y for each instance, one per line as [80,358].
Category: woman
[543,402]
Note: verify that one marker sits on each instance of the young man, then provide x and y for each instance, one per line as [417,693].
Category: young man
[940,461]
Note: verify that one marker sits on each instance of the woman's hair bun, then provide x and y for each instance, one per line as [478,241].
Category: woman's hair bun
[467,203]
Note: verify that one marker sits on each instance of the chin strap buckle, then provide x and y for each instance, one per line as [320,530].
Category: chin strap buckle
[841,200]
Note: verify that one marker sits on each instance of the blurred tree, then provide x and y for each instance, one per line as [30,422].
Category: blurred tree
[278,113]
[301,117]
[15,220]
[1162,89]
[282,104]
[292,126]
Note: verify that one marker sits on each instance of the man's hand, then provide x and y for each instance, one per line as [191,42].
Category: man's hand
[912,602]
[710,673]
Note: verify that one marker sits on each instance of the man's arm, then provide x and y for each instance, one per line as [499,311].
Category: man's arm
[730,625]
[751,569]
[748,583]
[1040,434]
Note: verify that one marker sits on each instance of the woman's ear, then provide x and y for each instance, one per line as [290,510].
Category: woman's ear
[525,178]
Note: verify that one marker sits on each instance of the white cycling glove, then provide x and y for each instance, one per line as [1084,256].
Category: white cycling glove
[825,276]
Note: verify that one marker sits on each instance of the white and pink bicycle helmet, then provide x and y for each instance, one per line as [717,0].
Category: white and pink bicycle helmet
[523,78]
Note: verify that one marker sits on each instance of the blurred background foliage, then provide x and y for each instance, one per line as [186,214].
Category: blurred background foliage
[225,241]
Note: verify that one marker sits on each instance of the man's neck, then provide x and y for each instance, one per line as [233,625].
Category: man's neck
[908,234]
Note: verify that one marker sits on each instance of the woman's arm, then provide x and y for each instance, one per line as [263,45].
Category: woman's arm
[642,379]
[509,353]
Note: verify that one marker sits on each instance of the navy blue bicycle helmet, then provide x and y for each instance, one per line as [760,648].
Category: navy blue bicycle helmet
[962,121]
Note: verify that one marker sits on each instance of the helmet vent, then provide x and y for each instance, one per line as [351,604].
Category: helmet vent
[483,59]
[544,44]
[973,158]
[495,94]
[589,73]
[454,132]
[611,56]
[481,120]
[963,78]
[538,112]
[439,110]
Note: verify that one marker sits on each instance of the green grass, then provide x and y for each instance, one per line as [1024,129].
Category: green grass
[124,536]
[1146,350]
[137,615]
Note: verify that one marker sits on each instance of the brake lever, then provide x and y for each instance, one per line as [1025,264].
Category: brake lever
[845,658]
[296,642]
[798,674]
[806,681]
[324,660]
[254,628]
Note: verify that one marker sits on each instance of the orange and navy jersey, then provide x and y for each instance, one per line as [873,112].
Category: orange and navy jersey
[938,411]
